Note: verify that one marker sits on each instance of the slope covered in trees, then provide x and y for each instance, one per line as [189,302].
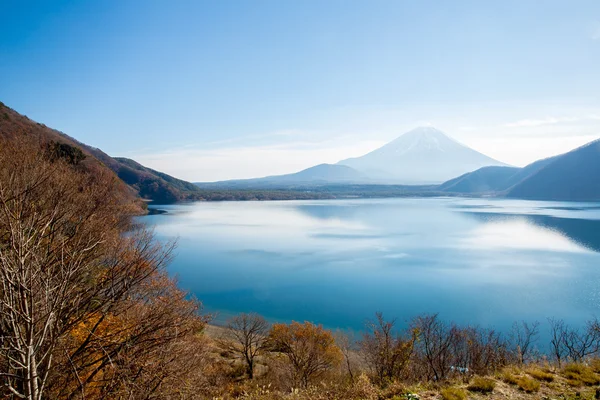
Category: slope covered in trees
[143,182]
[86,307]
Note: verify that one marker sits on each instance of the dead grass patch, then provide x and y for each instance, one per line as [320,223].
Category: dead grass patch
[482,385]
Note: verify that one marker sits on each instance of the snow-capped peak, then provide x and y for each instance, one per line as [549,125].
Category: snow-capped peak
[424,154]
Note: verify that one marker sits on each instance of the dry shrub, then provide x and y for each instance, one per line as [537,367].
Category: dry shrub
[453,393]
[527,384]
[482,385]
[509,377]
[394,389]
[580,374]
[364,389]
[310,350]
[595,365]
[540,375]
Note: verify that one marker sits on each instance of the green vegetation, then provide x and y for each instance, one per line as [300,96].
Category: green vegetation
[218,192]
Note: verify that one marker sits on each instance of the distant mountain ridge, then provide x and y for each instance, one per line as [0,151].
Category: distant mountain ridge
[573,176]
[423,155]
[493,179]
[318,175]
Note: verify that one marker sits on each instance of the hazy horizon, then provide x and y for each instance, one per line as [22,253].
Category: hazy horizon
[209,91]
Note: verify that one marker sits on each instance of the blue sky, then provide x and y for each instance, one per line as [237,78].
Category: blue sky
[209,90]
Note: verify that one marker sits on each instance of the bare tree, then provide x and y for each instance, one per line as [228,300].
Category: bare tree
[522,337]
[246,336]
[83,293]
[345,344]
[386,352]
[572,343]
[476,350]
[584,342]
[558,333]
[435,344]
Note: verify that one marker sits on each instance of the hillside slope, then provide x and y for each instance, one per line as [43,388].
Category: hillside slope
[574,176]
[484,180]
[492,179]
[141,181]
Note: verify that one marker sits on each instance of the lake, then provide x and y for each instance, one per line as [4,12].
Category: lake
[337,262]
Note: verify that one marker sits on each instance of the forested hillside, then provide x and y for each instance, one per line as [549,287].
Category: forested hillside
[143,182]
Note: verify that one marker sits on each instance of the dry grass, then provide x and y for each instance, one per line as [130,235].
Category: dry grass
[580,375]
[595,365]
[540,375]
[529,382]
[453,393]
[482,385]
[528,385]
[510,375]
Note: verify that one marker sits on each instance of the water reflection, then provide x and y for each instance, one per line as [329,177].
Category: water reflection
[475,261]
[581,232]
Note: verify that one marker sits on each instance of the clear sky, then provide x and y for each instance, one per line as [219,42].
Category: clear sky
[209,90]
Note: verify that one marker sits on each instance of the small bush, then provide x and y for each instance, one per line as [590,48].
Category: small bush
[574,382]
[540,375]
[482,385]
[71,154]
[509,378]
[528,385]
[237,371]
[580,373]
[595,365]
[394,389]
[453,393]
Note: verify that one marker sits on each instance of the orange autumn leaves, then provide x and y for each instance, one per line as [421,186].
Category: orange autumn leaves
[310,349]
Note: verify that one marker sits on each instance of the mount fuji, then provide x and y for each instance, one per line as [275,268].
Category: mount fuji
[424,155]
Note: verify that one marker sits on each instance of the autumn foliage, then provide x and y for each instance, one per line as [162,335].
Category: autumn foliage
[86,308]
[310,349]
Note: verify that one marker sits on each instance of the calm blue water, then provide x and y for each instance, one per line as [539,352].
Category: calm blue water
[477,261]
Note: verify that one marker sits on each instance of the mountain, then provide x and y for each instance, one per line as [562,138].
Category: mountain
[318,175]
[574,176]
[140,181]
[483,180]
[154,185]
[422,156]
[492,179]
